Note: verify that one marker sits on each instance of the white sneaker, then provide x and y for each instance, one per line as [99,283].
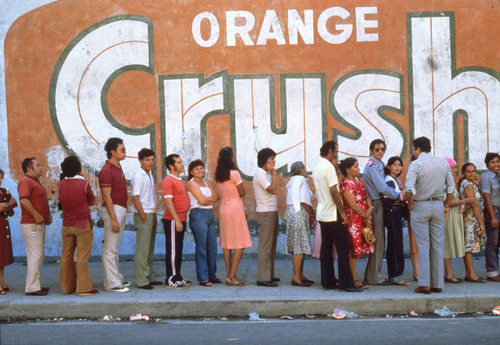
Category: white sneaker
[119,289]
[126,284]
[174,285]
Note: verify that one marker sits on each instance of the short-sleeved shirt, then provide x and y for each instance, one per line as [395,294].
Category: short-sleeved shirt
[143,185]
[173,187]
[490,183]
[325,177]
[75,196]
[30,188]
[266,202]
[113,176]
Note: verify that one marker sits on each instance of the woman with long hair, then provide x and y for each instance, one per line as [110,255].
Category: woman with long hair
[234,233]
[393,215]
[202,198]
[358,207]
[473,220]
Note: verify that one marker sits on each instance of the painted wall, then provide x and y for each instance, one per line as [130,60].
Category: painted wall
[194,76]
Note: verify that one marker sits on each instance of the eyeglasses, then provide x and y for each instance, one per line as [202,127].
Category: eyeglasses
[379,149]
[123,150]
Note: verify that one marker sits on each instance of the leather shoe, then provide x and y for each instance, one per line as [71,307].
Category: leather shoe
[423,289]
[146,287]
[44,288]
[275,279]
[156,282]
[437,290]
[494,279]
[308,281]
[302,283]
[267,284]
[36,293]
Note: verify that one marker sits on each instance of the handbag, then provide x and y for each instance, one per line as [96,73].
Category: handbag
[368,235]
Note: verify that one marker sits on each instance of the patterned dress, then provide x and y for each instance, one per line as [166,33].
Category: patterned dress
[356,239]
[473,242]
[298,238]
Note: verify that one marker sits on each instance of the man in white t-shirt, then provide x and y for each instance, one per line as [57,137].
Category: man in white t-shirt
[264,186]
[143,197]
[332,229]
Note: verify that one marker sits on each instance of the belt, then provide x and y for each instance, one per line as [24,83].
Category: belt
[432,199]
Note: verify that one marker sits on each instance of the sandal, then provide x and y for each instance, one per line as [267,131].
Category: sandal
[360,284]
[453,280]
[3,292]
[216,281]
[239,282]
[6,288]
[403,282]
[206,283]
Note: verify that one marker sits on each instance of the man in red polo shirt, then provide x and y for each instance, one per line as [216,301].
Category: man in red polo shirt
[34,217]
[176,201]
[114,211]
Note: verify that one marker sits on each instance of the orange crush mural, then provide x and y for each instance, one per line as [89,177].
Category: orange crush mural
[194,76]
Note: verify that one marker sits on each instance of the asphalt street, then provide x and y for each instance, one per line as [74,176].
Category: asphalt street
[461,330]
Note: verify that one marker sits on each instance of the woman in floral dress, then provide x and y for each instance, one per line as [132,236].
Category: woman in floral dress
[358,207]
[473,220]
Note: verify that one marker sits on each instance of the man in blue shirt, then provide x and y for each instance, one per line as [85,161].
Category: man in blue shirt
[490,186]
[376,187]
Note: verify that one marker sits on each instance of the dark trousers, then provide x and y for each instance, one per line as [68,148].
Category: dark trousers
[395,253]
[330,232]
[174,242]
[492,243]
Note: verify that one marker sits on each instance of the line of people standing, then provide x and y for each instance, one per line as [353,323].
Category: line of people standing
[345,211]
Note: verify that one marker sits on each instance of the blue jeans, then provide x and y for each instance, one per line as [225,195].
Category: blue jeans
[201,222]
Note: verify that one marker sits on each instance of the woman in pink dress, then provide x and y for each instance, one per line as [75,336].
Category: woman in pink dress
[234,233]
[358,207]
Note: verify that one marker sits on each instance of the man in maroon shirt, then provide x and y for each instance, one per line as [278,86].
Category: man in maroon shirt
[75,196]
[176,201]
[114,211]
[35,216]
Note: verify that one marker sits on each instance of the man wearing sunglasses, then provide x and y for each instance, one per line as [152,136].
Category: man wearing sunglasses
[376,187]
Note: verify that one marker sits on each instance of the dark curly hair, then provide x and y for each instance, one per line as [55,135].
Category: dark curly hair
[346,164]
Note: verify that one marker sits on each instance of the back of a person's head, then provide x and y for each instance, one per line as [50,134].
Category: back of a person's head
[225,164]
[70,167]
[326,147]
[423,143]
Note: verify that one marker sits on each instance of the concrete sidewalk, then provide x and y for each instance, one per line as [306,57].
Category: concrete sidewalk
[222,300]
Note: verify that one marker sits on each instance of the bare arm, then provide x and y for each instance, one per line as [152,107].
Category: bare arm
[194,189]
[241,190]
[108,203]
[138,207]
[469,193]
[28,206]
[169,204]
[338,202]
[272,188]
[350,200]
